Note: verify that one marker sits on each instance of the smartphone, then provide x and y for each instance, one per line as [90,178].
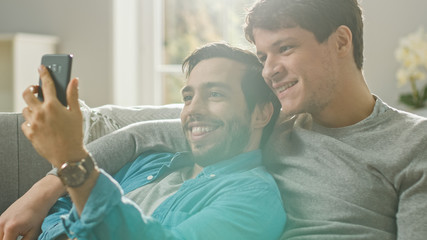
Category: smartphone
[59,67]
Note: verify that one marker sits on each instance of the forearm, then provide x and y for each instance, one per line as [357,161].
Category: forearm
[46,191]
[25,216]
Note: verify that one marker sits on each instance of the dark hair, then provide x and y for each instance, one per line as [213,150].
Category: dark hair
[254,88]
[321,17]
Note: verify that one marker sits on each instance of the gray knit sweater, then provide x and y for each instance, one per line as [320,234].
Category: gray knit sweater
[365,181]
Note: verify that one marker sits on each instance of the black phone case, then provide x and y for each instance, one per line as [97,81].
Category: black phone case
[59,67]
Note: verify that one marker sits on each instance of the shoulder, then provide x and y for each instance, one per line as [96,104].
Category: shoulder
[405,123]
[255,181]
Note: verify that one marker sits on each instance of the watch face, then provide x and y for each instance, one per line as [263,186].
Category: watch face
[73,174]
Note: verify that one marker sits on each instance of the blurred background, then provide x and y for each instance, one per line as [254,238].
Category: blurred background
[128,52]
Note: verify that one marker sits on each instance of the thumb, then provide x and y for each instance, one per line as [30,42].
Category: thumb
[73,94]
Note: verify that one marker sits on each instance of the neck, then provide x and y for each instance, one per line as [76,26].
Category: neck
[352,103]
[196,170]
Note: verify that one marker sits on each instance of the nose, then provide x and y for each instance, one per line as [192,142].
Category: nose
[194,107]
[272,68]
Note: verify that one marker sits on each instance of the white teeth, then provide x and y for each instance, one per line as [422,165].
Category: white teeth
[288,85]
[199,130]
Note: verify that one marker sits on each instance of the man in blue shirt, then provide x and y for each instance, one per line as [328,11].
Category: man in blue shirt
[218,191]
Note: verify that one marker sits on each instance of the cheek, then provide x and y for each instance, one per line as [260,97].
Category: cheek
[183,112]
[268,82]
[183,115]
[264,75]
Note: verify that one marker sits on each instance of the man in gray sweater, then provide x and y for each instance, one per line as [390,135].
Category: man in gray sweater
[348,165]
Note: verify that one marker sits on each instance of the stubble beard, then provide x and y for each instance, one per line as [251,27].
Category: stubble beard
[232,145]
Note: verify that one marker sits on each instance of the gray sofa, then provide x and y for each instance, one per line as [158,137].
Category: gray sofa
[21,166]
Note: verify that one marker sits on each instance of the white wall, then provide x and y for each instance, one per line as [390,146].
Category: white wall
[85,28]
[385,23]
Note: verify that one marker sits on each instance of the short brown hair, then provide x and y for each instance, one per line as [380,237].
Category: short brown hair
[321,17]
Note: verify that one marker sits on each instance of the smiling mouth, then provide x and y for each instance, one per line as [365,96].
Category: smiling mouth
[198,131]
[286,87]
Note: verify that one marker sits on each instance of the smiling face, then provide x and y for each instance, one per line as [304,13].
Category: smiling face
[300,70]
[215,117]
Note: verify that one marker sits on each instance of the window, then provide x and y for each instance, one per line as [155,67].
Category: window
[188,24]
[168,30]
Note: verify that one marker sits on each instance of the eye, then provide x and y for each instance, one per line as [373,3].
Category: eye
[216,94]
[262,59]
[285,48]
[187,98]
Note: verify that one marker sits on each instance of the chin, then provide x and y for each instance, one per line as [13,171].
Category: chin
[208,156]
[292,108]
[289,111]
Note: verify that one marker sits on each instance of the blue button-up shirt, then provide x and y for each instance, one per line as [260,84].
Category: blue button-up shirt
[232,199]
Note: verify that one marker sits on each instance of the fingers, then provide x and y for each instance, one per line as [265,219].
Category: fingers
[26,113]
[34,89]
[10,235]
[27,127]
[29,97]
[31,100]
[49,91]
[27,130]
[73,94]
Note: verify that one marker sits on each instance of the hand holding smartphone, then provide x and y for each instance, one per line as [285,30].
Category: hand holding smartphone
[59,67]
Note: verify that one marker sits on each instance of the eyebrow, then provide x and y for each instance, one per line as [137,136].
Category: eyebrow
[207,85]
[216,84]
[278,43]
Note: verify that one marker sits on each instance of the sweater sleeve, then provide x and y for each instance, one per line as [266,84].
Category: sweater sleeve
[411,217]
[114,150]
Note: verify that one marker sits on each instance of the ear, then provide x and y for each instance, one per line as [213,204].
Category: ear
[344,40]
[261,115]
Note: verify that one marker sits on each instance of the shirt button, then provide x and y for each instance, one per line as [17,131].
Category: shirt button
[212,175]
[150,177]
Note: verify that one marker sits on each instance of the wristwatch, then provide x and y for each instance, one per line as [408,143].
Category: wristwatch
[74,174]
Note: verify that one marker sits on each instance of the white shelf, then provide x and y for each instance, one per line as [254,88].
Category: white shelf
[20,56]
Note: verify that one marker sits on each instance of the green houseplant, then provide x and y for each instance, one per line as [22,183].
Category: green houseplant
[412,56]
